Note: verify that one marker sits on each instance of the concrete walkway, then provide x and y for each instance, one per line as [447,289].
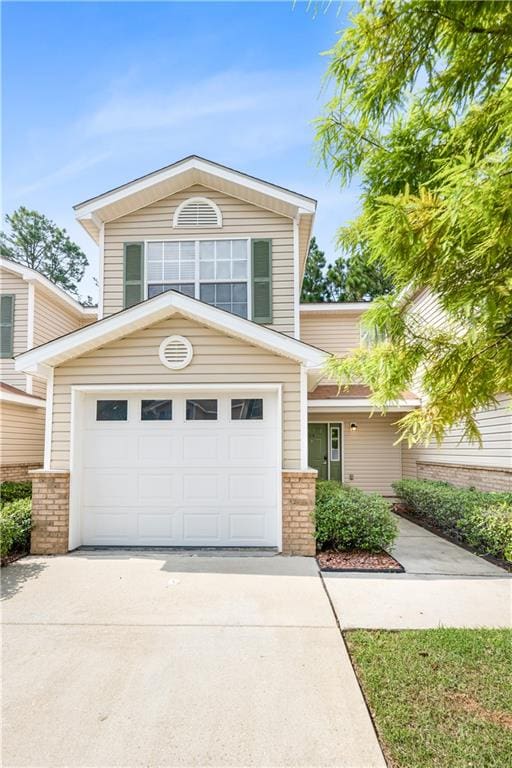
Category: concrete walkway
[443,585]
[134,659]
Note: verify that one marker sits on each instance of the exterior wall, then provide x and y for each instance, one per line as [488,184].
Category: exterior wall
[17,473]
[13,284]
[218,359]
[21,434]
[240,219]
[50,513]
[298,508]
[495,425]
[52,319]
[481,478]
[335,333]
[370,460]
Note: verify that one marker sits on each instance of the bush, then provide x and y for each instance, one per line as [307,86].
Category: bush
[489,529]
[347,518]
[15,525]
[13,491]
[481,519]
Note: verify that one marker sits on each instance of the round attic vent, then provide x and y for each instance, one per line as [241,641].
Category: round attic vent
[175,352]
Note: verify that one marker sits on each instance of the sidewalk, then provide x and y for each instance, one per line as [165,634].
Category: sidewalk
[443,585]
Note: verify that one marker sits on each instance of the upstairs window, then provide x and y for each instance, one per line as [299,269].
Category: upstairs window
[197,212]
[214,271]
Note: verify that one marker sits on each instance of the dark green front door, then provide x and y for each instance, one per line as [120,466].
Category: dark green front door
[317,449]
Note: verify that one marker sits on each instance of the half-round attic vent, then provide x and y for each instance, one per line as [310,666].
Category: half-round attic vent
[175,352]
[197,212]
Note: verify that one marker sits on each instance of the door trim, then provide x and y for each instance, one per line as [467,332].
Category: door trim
[78,393]
[330,424]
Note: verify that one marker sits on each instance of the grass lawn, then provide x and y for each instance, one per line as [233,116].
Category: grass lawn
[440,698]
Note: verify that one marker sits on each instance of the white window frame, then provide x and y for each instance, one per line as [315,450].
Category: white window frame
[197,279]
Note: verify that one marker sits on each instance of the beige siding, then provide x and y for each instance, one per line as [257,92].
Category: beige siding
[496,429]
[240,219]
[52,319]
[13,284]
[427,306]
[21,434]
[335,333]
[368,453]
[38,387]
[218,359]
[338,334]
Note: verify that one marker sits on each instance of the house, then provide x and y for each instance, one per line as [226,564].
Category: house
[195,411]
[33,311]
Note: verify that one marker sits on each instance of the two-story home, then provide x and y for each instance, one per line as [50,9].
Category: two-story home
[195,411]
[33,310]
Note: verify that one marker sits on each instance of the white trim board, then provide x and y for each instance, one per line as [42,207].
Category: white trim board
[21,399]
[154,310]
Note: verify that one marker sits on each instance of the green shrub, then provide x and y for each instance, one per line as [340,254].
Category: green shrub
[482,519]
[489,529]
[12,491]
[15,525]
[347,518]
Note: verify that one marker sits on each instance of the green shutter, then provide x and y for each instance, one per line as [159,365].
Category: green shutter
[133,273]
[261,281]
[6,325]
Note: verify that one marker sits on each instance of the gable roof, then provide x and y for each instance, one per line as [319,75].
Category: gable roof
[33,276]
[145,190]
[77,343]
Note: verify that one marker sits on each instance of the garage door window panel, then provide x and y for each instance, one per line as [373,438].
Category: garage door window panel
[247,409]
[111,410]
[156,410]
[201,410]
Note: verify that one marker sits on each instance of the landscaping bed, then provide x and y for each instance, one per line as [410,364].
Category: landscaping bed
[358,560]
[479,521]
[15,520]
[353,530]
[438,697]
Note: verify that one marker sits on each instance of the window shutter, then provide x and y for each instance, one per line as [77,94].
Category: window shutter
[262,281]
[6,325]
[133,273]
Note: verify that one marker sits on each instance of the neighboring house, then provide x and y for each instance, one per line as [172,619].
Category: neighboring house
[181,417]
[33,311]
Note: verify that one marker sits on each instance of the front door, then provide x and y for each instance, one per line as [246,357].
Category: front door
[317,449]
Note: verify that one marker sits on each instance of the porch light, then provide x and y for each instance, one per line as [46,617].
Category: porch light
[353,427]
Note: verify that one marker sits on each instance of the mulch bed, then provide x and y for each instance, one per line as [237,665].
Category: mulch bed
[403,511]
[358,560]
[8,559]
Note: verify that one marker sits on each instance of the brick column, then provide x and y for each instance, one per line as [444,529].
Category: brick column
[298,510]
[50,512]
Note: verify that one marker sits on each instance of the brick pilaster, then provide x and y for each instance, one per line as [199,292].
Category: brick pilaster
[50,512]
[298,509]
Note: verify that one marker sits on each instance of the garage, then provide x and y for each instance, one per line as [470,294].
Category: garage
[178,468]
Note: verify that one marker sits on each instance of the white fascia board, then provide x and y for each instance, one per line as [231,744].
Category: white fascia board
[36,278]
[362,403]
[151,311]
[21,399]
[349,306]
[84,210]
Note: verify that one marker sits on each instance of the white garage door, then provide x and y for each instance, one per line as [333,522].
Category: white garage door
[179,470]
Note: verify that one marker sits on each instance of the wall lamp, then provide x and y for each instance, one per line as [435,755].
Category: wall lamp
[353,427]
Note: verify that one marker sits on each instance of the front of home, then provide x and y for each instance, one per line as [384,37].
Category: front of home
[195,411]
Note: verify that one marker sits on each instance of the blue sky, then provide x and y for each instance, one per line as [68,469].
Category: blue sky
[95,94]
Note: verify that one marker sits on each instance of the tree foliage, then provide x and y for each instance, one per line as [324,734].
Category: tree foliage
[422,110]
[314,285]
[38,243]
[351,278]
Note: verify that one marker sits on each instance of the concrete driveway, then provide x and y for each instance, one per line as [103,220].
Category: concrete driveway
[138,659]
